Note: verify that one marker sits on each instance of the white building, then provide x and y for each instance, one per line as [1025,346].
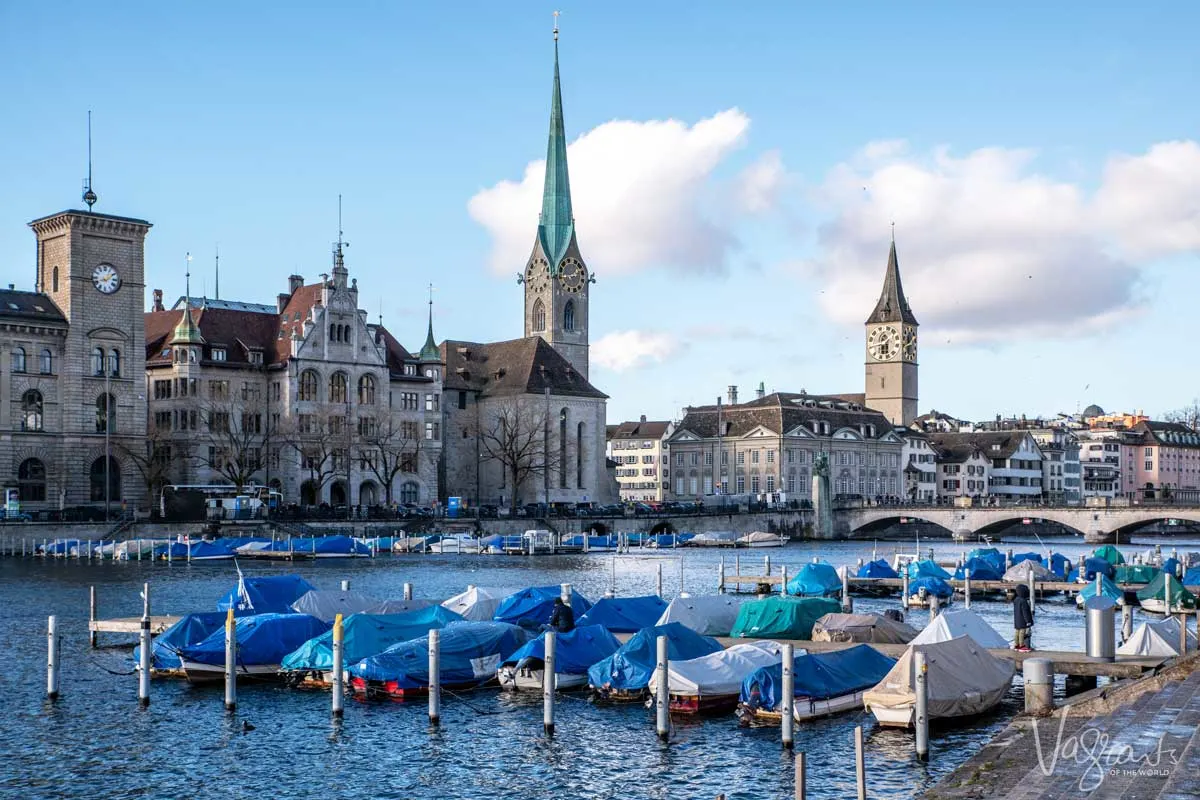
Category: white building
[642,455]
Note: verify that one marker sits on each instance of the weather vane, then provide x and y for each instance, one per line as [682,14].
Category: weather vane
[556,13]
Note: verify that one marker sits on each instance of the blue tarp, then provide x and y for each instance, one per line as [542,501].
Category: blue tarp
[625,614]
[1019,557]
[322,546]
[988,554]
[1095,564]
[1107,589]
[934,586]
[261,639]
[1171,566]
[176,550]
[815,580]
[470,652]
[574,652]
[531,607]
[1060,565]
[662,540]
[1192,577]
[59,547]
[630,668]
[926,569]
[191,629]
[879,568]
[365,635]
[219,549]
[593,542]
[818,676]
[982,569]
[265,594]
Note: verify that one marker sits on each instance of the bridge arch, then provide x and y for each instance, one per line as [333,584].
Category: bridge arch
[598,528]
[1133,527]
[662,527]
[995,526]
[883,521]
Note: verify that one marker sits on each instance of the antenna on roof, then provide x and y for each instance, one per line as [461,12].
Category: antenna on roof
[89,196]
[217,277]
[381,312]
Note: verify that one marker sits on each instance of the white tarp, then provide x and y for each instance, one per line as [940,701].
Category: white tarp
[962,679]
[709,615]
[477,604]
[960,622]
[1159,638]
[721,672]
[1019,573]
[325,605]
[713,539]
[861,628]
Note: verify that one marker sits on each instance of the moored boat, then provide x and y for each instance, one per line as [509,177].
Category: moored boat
[625,614]
[711,684]
[574,652]
[624,676]
[823,684]
[1154,596]
[782,616]
[706,614]
[761,539]
[263,640]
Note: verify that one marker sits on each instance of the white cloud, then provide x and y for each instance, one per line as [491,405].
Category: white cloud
[992,250]
[639,190]
[624,350]
[758,186]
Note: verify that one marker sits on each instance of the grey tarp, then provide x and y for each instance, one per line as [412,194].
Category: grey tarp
[1160,638]
[1019,573]
[962,679]
[709,615]
[862,628]
[327,604]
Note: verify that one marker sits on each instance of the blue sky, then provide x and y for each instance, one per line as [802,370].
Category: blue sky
[1040,164]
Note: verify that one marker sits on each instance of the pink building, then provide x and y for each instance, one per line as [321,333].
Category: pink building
[1163,455]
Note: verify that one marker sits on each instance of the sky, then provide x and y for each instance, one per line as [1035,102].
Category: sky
[735,176]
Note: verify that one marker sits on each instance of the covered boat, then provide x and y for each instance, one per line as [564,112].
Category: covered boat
[263,640]
[625,674]
[934,587]
[825,684]
[1094,566]
[574,653]
[469,654]
[263,594]
[1021,572]
[1110,554]
[666,540]
[1136,573]
[706,614]
[714,539]
[456,543]
[960,622]
[326,547]
[711,684]
[191,629]
[477,603]
[879,568]
[327,604]
[963,679]
[1156,638]
[876,628]
[782,617]
[1019,557]
[990,555]
[1153,596]
[981,569]
[925,568]
[1107,589]
[364,635]
[169,551]
[400,606]
[1060,565]
[1192,577]
[816,580]
[211,551]
[625,614]
[531,607]
[761,539]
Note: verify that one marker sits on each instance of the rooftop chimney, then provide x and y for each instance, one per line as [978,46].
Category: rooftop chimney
[732,395]
[281,301]
[643,417]
[158,304]
[294,283]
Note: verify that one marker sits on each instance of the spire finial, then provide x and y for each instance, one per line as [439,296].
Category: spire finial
[893,231]
[217,276]
[187,276]
[89,196]
[556,13]
[340,244]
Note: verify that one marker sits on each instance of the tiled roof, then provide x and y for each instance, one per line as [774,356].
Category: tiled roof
[1172,434]
[892,305]
[295,313]
[983,441]
[240,332]
[518,366]
[396,354]
[781,412]
[652,429]
[29,305]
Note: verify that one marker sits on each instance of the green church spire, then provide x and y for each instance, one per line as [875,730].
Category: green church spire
[557,224]
[429,350]
[186,331]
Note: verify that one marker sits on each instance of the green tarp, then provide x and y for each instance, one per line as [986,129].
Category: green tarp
[1180,597]
[1110,554]
[783,617]
[1135,573]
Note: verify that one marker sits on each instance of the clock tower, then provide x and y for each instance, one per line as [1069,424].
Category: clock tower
[892,350]
[556,278]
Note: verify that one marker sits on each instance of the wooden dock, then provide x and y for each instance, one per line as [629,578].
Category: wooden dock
[1040,587]
[131,624]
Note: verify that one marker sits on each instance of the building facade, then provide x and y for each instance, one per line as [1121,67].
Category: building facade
[962,469]
[642,455]
[1165,458]
[920,467]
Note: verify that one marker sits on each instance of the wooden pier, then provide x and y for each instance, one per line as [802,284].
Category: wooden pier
[130,624]
[732,582]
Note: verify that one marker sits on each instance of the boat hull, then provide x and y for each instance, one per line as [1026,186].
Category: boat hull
[703,705]
[196,672]
[521,679]
[1158,606]
[901,716]
[392,690]
[806,708]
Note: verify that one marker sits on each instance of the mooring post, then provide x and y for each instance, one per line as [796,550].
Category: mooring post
[345,586]
[1083,567]
[337,681]
[681,575]
[612,577]
[548,683]
[662,701]
[920,712]
[934,605]
[847,603]
[737,570]
[721,576]
[787,720]
[1099,584]
[1183,648]
[230,662]
[90,550]
[1127,622]
[1008,554]
[435,677]
[967,586]
[52,657]
[766,565]
[860,763]
[92,616]
[144,652]
[783,575]
[660,591]
[1167,598]
[1039,685]
[904,589]
[1032,587]
[408,591]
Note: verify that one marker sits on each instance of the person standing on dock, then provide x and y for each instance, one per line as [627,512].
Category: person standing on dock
[1022,620]
[562,618]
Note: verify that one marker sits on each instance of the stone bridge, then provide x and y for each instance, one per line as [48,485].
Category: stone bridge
[1097,524]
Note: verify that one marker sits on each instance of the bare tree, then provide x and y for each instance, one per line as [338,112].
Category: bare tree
[235,437]
[155,459]
[388,446]
[518,440]
[1189,415]
[319,446]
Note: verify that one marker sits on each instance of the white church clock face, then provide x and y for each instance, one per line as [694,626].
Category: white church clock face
[105,279]
[572,275]
[884,343]
[910,343]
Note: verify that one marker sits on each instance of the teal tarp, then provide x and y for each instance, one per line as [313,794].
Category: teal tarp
[815,580]
[785,617]
[365,635]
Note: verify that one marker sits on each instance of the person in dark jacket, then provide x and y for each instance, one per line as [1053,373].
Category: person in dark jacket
[562,618]
[1022,619]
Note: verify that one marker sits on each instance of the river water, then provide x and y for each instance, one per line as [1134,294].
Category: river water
[95,741]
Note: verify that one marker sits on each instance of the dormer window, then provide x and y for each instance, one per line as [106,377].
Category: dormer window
[410,369]
[218,354]
[256,357]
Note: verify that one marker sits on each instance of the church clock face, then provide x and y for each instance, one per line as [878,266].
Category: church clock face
[537,275]
[572,275]
[910,343]
[883,344]
[105,279]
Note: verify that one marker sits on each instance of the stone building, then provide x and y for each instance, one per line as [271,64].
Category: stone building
[920,466]
[641,454]
[962,469]
[72,407]
[891,351]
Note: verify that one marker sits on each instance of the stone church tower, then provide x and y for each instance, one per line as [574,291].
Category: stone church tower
[556,278]
[892,351]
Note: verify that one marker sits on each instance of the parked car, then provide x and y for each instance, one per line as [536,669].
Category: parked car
[16,516]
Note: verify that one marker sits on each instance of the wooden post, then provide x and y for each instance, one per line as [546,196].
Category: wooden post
[435,677]
[766,565]
[612,577]
[548,683]
[721,576]
[1008,559]
[144,652]
[737,570]
[91,615]
[53,651]
[230,662]
[337,681]
[1032,588]
[662,701]
[921,706]
[1183,633]
[933,607]
[1083,567]
[801,777]
[1167,598]
[681,575]
[1126,622]
[904,588]
[860,763]
[787,719]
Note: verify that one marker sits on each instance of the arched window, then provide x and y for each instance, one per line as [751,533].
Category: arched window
[18,359]
[579,455]
[106,414]
[31,478]
[97,360]
[105,470]
[54,280]
[539,316]
[47,363]
[31,410]
[345,333]
[308,385]
[337,387]
[569,316]
[409,492]
[562,449]
[366,390]
[114,363]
